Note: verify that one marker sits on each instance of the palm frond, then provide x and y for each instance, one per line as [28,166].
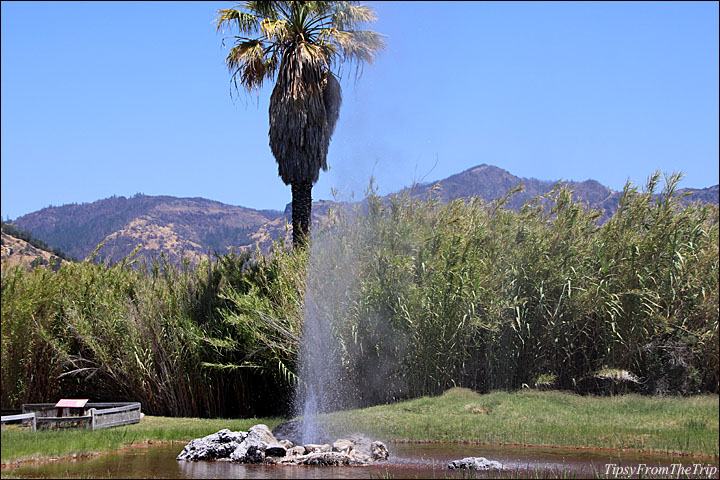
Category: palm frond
[247,63]
[358,46]
[246,22]
[276,30]
[265,9]
[347,15]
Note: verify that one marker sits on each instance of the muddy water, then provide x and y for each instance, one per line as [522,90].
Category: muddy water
[407,461]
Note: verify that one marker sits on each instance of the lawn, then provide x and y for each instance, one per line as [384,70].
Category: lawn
[687,425]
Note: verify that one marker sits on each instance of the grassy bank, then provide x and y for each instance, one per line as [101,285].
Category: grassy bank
[19,445]
[687,425]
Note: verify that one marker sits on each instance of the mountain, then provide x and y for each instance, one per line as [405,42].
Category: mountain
[196,227]
[490,183]
[19,248]
[189,227]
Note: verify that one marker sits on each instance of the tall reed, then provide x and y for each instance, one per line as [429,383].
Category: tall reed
[182,340]
[473,294]
[461,294]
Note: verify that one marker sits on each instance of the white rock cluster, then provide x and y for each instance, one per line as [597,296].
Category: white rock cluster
[475,463]
[259,445]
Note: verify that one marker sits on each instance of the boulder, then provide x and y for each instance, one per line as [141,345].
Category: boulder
[212,447]
[296,451]
[317,448]
[609,382]
[475,463]
[262,433]
[275,450]
[285,443]
[378,451]
[361,458]
[343,446]
[250,450]
[327,459]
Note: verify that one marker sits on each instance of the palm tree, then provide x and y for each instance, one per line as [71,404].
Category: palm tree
[299,43]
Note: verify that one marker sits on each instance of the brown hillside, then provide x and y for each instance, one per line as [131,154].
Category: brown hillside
[15,251]
[178,227]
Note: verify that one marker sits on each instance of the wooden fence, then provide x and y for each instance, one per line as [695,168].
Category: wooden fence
[96,416]
[21,417]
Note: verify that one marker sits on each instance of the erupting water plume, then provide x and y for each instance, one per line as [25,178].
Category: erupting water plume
[331,277]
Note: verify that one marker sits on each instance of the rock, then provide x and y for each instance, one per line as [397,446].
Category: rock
[275,450]
[378,451]
[293,431]
[250,450]
[475,463]
[259,445]
[361,458]
[289,431]
[262,433]
[254,448]
[226,435]
[361,443]
[296,451]
[212,447]
[343,446]
[317,448]
[327,459]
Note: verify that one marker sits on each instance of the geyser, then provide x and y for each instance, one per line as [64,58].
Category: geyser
[332,274]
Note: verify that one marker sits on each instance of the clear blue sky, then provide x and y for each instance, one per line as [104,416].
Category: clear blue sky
[116,98]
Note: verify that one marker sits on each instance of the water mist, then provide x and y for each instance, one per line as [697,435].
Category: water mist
[332,274]
[350,356]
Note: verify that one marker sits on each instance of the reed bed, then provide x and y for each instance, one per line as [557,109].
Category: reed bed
[472,294]
[462,294]
[160,334]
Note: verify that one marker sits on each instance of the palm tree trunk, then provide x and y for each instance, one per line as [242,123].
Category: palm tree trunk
[301,206]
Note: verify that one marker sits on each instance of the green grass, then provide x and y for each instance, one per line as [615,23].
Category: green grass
[19,445]
[687,425]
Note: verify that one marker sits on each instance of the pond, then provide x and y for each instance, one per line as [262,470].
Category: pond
[407,460]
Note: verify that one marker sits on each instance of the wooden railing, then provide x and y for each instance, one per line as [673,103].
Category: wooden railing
[22,416]
[101,415]
[112,417]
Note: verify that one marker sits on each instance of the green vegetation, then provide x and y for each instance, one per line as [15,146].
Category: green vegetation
[528,417]
[474,295]
[465,294]
[19,445]
[182,341]
[667,424]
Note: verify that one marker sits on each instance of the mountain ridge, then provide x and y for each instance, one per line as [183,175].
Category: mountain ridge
[195,227]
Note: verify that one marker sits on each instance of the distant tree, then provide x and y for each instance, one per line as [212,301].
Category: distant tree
[39,244]
[300,42]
